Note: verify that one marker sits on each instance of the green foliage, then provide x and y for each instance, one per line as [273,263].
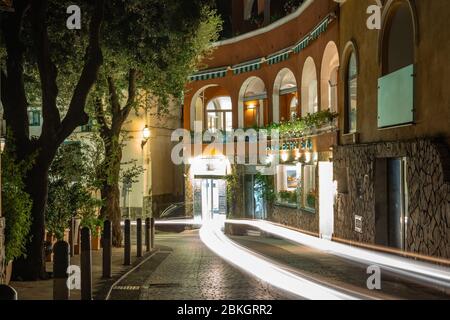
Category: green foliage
[232,187]
[301,127]
[288,196]
[264,184]
[16,205]
[71,191]
[163,41]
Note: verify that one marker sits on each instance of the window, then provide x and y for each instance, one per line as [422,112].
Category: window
[293,109]
[309,195]
[398,40]
[288,178]
[396,84]
[34,118]
[219,114]
[351,95]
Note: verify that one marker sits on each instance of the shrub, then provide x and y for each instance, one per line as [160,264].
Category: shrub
[16,205]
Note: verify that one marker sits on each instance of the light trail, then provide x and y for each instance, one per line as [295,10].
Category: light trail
[212,236]
[422,271]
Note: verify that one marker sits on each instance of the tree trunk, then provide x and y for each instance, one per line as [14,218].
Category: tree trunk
[111,210]
[110,190]
[32,267]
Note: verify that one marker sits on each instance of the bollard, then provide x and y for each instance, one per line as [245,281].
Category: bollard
[139,237]
[107,249]
[61,262]
[152,232]
[7,293]
[86,264]
[127,251]
[147,235]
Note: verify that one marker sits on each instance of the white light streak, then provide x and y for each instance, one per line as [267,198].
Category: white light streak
[254,264]
[419,270]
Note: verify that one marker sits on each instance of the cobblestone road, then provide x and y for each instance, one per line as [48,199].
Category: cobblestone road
[186,270]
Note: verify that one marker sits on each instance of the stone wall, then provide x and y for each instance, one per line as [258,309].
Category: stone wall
[428,183]
[295,218]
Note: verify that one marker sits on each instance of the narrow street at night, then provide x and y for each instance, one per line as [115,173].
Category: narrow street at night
[188,270]
[225,158]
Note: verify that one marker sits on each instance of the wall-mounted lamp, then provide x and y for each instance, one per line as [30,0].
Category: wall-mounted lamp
[145,136]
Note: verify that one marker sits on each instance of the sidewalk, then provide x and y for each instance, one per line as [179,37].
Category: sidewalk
[43,290]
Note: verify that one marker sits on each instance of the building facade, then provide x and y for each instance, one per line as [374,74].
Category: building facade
[392,164]
[376,171]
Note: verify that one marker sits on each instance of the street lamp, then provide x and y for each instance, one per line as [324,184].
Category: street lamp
[145,136]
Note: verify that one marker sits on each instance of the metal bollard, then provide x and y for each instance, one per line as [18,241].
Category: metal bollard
[139,237]
[7,293]
[147,235]
[107,249]
[127,251]
[61,262]
[152,232]
[86,264]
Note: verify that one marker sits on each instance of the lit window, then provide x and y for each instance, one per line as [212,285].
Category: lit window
[288,178]
[219,114]
[351,95]
[34,118]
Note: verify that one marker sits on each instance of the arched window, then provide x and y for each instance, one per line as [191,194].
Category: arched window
[398,39]
[219,114]
[351,95]
[396,84]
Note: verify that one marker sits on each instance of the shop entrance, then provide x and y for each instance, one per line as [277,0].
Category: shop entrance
[210,199]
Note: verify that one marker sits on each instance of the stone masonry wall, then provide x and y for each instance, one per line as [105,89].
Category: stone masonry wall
[428,183]
[296,218]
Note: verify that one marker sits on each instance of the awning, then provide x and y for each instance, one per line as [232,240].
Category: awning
[208,75]
[321,28]
[302,44]
[247,66]
[315,33]
[278,57]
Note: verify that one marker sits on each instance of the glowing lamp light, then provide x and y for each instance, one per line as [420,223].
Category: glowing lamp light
[251,106]
[284,156]
[145,136]
[146,133]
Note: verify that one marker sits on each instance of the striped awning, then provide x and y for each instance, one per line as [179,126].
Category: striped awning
[302,44]
[321,28]
[209,74]
[247,66]
[278,57]
[317,31]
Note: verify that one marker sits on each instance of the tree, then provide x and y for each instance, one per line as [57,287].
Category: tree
[55,68]
[72,188]
[151,48]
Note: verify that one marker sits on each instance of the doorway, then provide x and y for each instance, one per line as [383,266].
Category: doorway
[391,202]
[213,199]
